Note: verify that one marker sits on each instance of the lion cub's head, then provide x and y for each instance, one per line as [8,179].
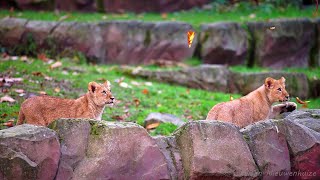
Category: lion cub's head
[276,89]
[100,93]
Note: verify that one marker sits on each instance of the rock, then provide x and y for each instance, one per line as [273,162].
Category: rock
[76,5]
[269,149]
[11,30]
[28,152]
[208,77]
[223,43]
[168,146]
[296,83]
[213,149]
[140,6]
[288,45]
[109,151]
[162,118]
[304,148]
[134,42]
[309,118]
[68,38]
[314,85]
[34,4]
[37,32]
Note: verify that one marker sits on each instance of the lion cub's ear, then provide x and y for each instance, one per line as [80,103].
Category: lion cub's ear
[269,82]
[107,84]
[282,79]
[92,86]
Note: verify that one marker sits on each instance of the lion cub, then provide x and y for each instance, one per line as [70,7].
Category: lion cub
[42,110]
[255,106]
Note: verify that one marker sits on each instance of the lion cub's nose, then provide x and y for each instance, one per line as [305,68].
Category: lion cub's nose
[287,97]
[112,98]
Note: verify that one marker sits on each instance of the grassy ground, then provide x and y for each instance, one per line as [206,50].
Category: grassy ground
[241,12]
[133,103]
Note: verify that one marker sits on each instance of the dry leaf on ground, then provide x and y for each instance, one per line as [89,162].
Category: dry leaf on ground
[7,98]
[56,65]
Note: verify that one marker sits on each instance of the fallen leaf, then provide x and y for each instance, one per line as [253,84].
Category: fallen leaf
[152,126]
[188,91]
[4,115]
[14,58]
[231,98]
[38,73]
[164,15]
[148,83]
[190,37]
[56,65]
[145,91]
[119,80]
[304,103]
[48,78]
[252,16]
[42,93]
[24,58]
[272,28]
[136,102]
[19,91]
[135,83]
[124,85]
[42,57]
[8,124]
[7,98]
[62,18]
[57,90]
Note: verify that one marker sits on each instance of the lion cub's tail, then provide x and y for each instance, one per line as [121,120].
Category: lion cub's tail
[21,117]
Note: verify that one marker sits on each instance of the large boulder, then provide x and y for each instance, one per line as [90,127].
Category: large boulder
[76,5]
[34,4]
[28,152]
[135,42]
[208,77]
[223,43]
[304,147]
[108,150]
[214,150]
[11,30]
[168,146]
[72,37]
[269,149]
[308,117]
[282,43]
[244,83]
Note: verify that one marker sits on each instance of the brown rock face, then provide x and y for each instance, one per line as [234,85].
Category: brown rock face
[34,4]
[133,42]
[76,5]
[287,45]
[223,43]
[269,149]
[105,150]
[28,152]
[214,150]
[304,148]
[11,30]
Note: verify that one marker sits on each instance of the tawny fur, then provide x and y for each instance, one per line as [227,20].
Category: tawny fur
[42,110]
[255,106]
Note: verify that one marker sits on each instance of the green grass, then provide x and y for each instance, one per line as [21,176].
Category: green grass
[187,104]
[240,12]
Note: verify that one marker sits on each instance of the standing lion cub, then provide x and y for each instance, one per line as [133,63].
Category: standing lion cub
[255,106]
[42,110]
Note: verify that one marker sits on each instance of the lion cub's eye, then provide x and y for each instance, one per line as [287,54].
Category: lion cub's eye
[104,92]
[279,89]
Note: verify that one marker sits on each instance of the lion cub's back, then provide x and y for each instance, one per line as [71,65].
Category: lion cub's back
[235,111]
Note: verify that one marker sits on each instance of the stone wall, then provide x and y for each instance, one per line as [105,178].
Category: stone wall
[276,43]
[283,149]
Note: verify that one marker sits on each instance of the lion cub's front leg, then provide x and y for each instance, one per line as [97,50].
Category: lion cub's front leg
[281,108]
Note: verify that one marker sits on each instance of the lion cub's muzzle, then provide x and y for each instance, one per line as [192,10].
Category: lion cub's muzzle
[287,98]
[111,100]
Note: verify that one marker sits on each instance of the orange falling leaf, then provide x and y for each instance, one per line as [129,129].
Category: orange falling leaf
[231,98]
[190,37]
[145,91]
[304,103]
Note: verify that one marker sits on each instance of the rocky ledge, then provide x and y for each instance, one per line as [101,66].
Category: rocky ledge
[286,148]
